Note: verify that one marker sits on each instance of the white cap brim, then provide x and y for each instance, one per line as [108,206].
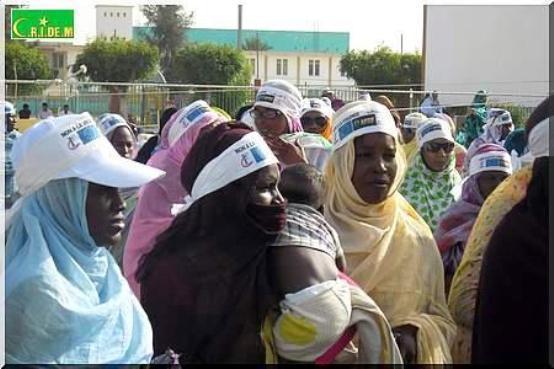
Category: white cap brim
[112,171]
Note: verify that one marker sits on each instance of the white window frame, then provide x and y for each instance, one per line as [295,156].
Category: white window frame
[279,70]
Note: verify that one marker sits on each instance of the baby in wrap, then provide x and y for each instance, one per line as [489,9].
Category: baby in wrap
[321,309]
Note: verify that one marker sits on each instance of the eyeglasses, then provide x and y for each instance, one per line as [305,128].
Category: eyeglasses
[319,121]
[436,147]
[267,114]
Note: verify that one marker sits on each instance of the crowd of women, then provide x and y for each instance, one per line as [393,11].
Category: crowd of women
[292,233]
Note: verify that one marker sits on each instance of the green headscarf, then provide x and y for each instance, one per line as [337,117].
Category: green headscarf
[474,122]
[430,192]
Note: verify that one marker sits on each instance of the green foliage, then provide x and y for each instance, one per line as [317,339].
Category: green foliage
[382,66]
[254,43]
[210,64]
[168,33]
[25,62]
[118,60]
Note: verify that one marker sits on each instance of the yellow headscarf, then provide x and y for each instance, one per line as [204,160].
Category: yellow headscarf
[463,292]
[328,130]
[392,255]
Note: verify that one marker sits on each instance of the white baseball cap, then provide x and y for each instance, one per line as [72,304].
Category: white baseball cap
[317,105]
[359,118]
[109,122]
[280,95]
[432,129]
[72,146]
[189,116]
[414,120]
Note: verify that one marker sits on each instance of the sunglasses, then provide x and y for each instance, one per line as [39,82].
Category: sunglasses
[436,147]
[267,114]
[319,121]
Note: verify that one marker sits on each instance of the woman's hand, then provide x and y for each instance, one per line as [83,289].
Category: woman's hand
[406,339]
[287,153]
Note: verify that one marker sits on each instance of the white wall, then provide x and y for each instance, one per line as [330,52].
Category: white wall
[500,48]
[298,68]
[108,21]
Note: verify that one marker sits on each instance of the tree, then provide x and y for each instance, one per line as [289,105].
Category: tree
[118,60]
[382,66]
[254,43]
[211,64]
[25,62]
[168,33]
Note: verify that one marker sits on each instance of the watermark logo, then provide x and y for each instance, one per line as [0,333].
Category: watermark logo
[42,24]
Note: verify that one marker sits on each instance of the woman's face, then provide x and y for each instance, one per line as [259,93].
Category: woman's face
[270,123]
[265,191]
[488,181]
[313,122]
[437,154]
[375,166]
[122,141]
[104,210]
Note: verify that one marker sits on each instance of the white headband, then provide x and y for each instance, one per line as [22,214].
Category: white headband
[490,161]
[244,157]
[538,139]
[432,129]
[360,118]
[278,99]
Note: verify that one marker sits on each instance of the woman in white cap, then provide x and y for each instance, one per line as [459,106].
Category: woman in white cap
[408,129]
[499,125]
[119,133]
[463,292]
[490,165]
[204,285]
[121,136]
[276,112]
[389,249]
[316,117]
[66,299]
[153,211]
[432,174]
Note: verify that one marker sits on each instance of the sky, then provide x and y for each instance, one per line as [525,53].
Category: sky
[369,22]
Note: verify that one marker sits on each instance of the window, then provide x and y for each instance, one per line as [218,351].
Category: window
[58,60]
[118,14]
[105,14]
[282,67]
[111,14]
[342,74]
[313,67]
[124,15]
[253,65]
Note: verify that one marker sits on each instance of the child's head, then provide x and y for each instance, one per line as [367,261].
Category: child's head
[303,184]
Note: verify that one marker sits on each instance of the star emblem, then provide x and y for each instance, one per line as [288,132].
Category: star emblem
[43,21]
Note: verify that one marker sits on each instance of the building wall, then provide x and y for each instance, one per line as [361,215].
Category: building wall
[500,48]
[60,56]
[298,68]
[114,21]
